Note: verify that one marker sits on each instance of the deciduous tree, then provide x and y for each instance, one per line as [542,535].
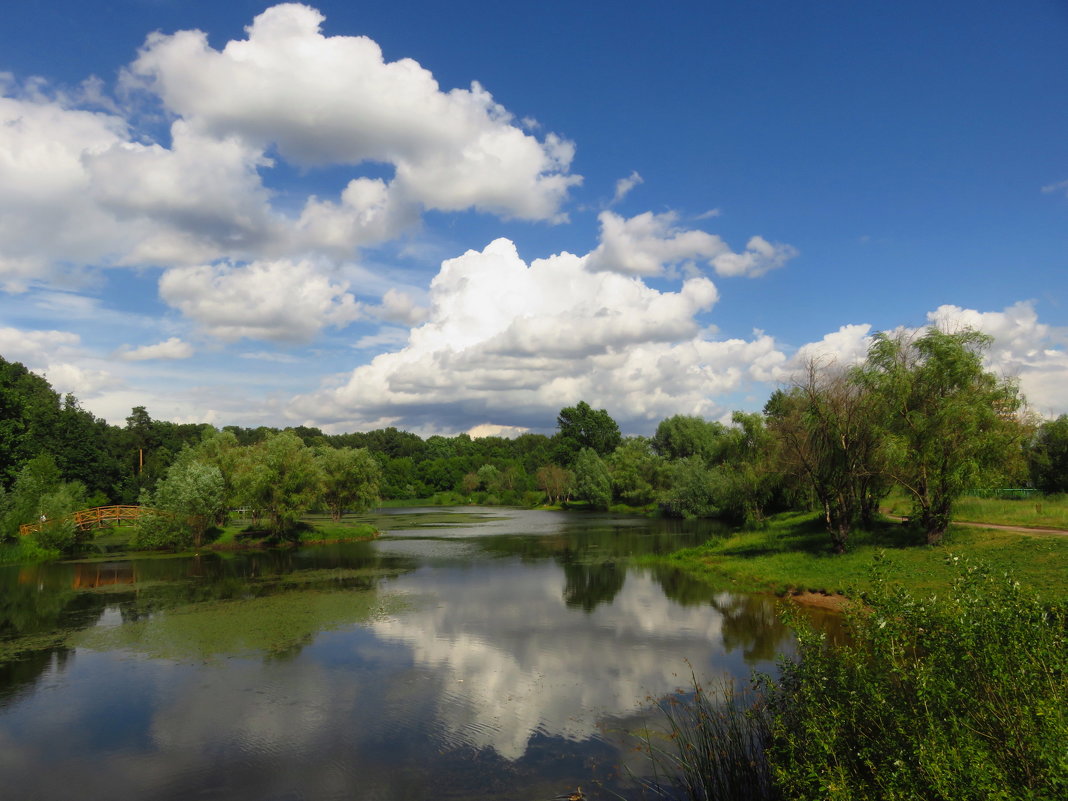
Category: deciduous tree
[946,421]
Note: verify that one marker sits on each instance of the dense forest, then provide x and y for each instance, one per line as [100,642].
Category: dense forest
[920,414]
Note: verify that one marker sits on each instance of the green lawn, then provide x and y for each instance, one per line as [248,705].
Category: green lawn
[793,553]
[1048,511]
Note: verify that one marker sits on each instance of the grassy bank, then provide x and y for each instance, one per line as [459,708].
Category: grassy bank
[1043,511]
[793,554]
[312,530]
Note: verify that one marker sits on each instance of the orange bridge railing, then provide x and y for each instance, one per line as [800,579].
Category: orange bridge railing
[97,517]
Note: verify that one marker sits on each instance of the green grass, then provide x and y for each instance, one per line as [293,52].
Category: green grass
[1044,511]
[25,551]
[311,529]
[793,553]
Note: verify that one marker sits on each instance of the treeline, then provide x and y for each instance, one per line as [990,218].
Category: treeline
[920,414]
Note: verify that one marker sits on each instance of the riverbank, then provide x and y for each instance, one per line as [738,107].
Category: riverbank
[792,555]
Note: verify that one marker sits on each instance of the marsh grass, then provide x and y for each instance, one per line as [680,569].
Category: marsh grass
[712,745]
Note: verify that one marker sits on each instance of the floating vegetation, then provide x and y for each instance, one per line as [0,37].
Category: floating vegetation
[270,625]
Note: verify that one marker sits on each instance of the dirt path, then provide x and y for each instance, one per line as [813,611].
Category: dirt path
[1000,527]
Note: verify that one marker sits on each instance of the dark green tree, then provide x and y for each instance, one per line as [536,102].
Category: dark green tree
[683,435]
[1047,455]
[581,426]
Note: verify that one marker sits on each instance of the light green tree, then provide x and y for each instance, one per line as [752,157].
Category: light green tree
[683,435]
[592,481]
[189,498]
[946,421]
[637,472]
[555,482]
[350,479]
[280,479]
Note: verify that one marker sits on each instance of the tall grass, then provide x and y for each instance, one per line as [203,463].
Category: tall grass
[712,747]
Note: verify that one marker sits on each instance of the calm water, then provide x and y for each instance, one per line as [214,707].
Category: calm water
[504,655]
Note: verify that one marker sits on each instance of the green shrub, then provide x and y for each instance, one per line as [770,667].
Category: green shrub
[161,531]
[962,697]
[956,697]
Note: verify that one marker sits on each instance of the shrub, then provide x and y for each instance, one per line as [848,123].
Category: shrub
[961,697]
[956,697]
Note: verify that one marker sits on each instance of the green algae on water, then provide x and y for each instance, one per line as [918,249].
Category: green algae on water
[271,625]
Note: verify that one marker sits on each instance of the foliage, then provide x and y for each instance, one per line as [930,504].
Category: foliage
[350,479]
[37,477]
[579,427]
[1048,456]
[192,494]
[961,696]
[826,430]
[680,436]
[749,482]
[555,482]
[592,482]
[279,479]
[690,491]
[57,530]
[637,472]
[945,422]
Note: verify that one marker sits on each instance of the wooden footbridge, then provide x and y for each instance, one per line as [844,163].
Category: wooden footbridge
[97,517]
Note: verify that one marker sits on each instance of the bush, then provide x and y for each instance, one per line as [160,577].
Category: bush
[962,697]
[161,531]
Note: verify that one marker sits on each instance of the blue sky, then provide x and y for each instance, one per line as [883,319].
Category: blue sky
[477,214]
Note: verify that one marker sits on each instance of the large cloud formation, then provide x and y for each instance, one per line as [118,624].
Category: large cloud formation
[84,189]
[508,342]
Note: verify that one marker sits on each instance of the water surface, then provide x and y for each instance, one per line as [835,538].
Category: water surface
[465,654]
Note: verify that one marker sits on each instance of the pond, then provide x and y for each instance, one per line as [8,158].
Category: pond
[465,654]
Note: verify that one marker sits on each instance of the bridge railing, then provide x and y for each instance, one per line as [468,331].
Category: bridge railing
[97,517]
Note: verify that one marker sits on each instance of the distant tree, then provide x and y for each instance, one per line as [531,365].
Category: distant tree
[554,481]
[191,496]
[280,478]
[489,477]
[682,435]
[749,480]
[592,481]
[221,448]
[351,478]
[56,528]
[946,421]
[690,489]
[1048,455]
[580,427]
[37,478]
[636,471]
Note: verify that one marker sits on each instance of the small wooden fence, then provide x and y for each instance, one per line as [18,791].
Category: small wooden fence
[87,519]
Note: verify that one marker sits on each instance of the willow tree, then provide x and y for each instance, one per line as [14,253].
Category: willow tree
[826,428]
[351,477]
[946,422]
[280,479]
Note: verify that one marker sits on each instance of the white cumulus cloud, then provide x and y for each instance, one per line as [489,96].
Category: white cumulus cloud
[170,349]
[649,243]
[510,343]
[281,300]
[335,100]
